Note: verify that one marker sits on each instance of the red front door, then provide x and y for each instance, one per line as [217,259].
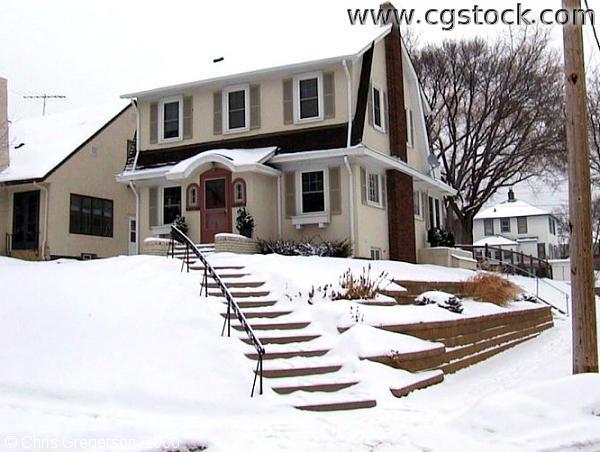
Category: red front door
[216,206]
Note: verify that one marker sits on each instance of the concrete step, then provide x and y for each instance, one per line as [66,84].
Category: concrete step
[244,304]
[421,381]
[315,387]
[251,314]
[284,339]
[241,293]
[338,406]
[232,275]
[238,284]
[300,371]
[289,354]
[275,326]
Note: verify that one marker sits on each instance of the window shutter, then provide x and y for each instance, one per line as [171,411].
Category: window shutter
[153,206]
[329,94]
[385,111]
[382,181]
[290,194]
[370,105]
[288,102]
[335,191]
[217,114]
[255,107]
[363,185]
[188,117]
[153,123]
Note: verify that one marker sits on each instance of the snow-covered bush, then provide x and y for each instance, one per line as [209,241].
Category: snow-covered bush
[440,237]
[179,223]
[527,298]
[312,247]
[442,299]
[244,223]
[491,288]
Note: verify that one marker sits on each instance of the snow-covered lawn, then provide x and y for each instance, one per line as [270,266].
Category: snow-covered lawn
[123,354]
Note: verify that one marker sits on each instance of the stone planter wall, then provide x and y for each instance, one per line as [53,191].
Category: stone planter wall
[155,246]
[447,257]
[234,243]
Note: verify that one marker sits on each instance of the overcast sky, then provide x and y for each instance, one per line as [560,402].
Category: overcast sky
[93,51]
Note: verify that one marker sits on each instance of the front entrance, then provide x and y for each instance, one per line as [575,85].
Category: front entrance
[26,219]
[215,187]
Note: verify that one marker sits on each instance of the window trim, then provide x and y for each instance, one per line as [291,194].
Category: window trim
[383,126]
[435,215]
[161,122]
[320,97]
[162,203]
[375,250]
[419,196]
[410,127]
[526,225]
[299,206]
[379,190]
[189,205]
[238,202]
[487,221]
[501,226]
[225,107]
[91,234]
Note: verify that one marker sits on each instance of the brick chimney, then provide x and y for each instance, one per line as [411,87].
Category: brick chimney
[401,223]
[511,195]
[4,152]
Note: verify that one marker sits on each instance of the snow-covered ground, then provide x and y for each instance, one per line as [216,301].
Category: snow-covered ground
[123,354]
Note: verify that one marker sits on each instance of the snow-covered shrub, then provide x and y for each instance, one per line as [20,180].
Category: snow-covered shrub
[440,237]
[349,287]
[244,223]
[527,298]
[179,223]
[442,299]
[356,315]
[491,288]
[312,247]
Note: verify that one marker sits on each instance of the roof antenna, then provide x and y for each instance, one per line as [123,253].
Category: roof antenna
[218,60]
[45,97]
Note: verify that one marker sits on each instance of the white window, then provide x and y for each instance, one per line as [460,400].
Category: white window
[410,128]
[488,227]
[418,205]
[170,111]
[308,97]
[374,195]
[435,213]
[375,254]
[171,204]
[378,109]
[312,192]
[505,225]
[236,111]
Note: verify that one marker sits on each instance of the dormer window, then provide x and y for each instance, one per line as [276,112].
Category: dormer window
[171,112]
[236,116]
[308,97]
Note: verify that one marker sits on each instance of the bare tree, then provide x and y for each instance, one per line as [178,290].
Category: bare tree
[497,115]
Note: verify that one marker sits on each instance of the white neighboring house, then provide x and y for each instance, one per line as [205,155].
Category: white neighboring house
[518,226]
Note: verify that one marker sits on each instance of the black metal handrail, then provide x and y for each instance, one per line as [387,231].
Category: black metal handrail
[232,306]
[515,256]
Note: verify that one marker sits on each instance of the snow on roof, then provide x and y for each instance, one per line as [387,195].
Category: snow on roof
[38,145]
[511,209]
[300,49]
[232,158]
[497,240]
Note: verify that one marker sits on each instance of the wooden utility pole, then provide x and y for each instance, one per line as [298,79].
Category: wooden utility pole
[585,347]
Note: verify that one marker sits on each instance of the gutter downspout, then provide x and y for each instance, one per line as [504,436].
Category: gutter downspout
[131,185]
[279,207]
[46,202]
[346,161]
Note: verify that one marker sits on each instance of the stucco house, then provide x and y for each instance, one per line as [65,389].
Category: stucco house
[332,147]
[517,226]
[58,194]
